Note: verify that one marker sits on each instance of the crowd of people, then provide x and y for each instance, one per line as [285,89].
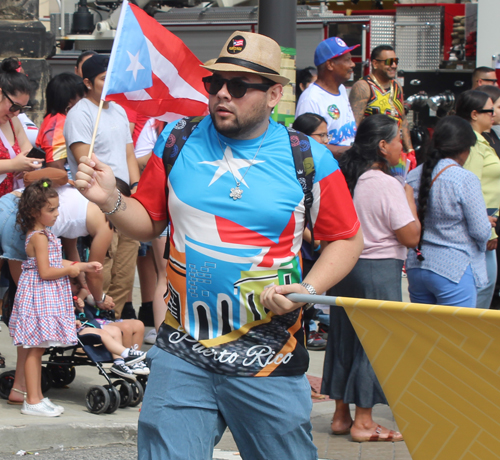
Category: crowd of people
[217,253]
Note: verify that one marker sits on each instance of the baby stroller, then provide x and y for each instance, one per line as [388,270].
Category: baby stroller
[58,370]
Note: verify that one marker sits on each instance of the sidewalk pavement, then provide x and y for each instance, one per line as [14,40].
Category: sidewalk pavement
[79,428]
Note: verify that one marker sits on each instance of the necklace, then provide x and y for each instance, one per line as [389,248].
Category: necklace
[236,192]
[394,112]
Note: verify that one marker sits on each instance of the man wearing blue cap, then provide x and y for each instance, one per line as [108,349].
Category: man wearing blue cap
[327,96]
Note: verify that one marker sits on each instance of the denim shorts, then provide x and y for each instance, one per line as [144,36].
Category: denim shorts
[11,238]
[186,410]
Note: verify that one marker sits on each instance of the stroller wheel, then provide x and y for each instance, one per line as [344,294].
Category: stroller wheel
[137,394]
[6,382]
[61,375]
[125,390]
[114,399]
[46,379]
[97,399]
[143,379]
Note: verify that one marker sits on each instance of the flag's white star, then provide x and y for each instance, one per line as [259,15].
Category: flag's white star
[134,65]
[235,163]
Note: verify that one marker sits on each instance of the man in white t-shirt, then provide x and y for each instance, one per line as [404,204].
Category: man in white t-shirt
[327,96]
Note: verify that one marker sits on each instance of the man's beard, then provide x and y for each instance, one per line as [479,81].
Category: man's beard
[238,129]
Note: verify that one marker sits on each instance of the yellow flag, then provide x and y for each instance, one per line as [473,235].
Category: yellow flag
[439,368]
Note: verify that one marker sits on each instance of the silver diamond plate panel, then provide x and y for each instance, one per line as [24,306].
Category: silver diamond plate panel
[381,31]
[234,15]
[418,37]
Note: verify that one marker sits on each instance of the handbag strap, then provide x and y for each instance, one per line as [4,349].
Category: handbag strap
[440,172]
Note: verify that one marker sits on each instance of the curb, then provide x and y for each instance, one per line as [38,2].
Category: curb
[42,437]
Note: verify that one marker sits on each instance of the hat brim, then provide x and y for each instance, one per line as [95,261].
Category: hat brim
[348,50]
[225,67]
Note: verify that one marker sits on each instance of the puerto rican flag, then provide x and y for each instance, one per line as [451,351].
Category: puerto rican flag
[152,71]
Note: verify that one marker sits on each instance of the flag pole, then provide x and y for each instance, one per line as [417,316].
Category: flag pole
[91,148]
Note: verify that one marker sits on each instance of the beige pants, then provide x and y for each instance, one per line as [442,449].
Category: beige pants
[119,269]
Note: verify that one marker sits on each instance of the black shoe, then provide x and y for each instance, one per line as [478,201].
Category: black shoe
[146,314]
[122,370]
[128,311]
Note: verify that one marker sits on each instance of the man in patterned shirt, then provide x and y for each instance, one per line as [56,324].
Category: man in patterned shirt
[380,93]
[231,349]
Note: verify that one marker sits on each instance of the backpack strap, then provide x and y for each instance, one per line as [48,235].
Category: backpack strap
[304,169]
[176,140]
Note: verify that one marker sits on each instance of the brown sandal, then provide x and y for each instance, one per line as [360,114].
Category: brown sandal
[17,403]
[393,436]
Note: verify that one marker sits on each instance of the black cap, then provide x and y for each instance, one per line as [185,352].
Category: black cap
[95,65]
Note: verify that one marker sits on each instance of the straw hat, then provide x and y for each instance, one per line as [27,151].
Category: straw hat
[252,53]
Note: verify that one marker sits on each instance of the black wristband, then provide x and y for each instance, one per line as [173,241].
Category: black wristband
[135,184]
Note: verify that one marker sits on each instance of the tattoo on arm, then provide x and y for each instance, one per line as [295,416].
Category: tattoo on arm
[123,206]
[360,93]
[405,127]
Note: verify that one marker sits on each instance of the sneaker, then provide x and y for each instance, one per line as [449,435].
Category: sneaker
[134,356]
[140,368]
[122,370]
[41,410]
[49,403]
[315,341]
[150,337]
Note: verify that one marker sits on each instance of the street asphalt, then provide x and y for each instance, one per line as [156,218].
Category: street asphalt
[78,428]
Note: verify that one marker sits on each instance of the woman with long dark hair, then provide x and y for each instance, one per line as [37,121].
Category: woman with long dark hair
[388,217]
[477,108]
[449,261]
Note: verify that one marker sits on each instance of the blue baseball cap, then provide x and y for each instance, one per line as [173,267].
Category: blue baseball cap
[331,48]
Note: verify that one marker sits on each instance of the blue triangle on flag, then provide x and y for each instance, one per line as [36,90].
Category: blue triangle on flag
[132,66]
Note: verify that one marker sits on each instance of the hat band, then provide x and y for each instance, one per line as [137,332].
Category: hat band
[247,64]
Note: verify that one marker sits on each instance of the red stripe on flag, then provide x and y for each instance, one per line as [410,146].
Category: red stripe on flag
[173,49]
[161,102]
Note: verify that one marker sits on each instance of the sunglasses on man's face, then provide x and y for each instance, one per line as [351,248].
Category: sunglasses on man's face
[491,111]
[236,87]
[15,107]
[389,61]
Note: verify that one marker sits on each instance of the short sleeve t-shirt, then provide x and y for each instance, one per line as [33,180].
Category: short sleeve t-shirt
[382,208]
[113,135]
[224,252]
[334,108]
[51,139]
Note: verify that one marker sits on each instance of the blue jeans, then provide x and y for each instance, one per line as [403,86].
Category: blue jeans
[186,410]
[11,238]
[485,294]
[428,287]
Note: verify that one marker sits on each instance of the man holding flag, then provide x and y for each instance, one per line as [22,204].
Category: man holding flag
[231,349]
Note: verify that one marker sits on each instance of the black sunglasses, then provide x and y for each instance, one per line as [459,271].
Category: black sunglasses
[236,86]
[485,111]
[388,61]
[15,107]
[494,80]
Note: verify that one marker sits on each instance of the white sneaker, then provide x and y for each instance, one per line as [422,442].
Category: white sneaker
[150,337]
[140,368]
[41,409]
[49,403]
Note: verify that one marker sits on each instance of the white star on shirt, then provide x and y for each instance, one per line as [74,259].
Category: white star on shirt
[232,164]
[134,65]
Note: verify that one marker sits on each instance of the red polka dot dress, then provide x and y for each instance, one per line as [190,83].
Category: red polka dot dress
[43,312]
